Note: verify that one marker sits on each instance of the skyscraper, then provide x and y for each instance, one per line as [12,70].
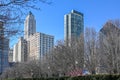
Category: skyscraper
[4,49]
[29,25]
[34,45]
[20,48]
[73,25]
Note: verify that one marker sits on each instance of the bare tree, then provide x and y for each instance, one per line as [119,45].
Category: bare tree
[24,70]
[110,46]
[91,40]
[13,11]
[68,58]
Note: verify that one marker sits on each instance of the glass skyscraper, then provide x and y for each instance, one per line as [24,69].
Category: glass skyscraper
[4,48]
[73,25]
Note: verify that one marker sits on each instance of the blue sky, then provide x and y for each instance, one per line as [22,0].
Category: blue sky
[50,19]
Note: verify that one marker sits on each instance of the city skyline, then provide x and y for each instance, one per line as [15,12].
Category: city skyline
[61,39]
[34,45]
[50,19]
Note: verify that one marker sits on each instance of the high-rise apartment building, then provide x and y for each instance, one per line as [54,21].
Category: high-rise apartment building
[39,44]
[29,25]
[4,49]
[20,51]
[34,45]
[73,25]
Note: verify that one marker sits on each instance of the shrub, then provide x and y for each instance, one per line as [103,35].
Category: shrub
[88,77]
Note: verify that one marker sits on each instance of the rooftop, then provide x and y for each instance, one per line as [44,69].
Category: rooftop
[77,12]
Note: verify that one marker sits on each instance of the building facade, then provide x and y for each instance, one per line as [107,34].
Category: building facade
[15,50]
[20,51]
[29,25]
[4,49]
[10,55]
[4,55]
[73,25]
[109,39]
[39,44]
[34,44]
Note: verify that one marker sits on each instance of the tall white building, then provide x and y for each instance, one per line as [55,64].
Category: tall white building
[20,51]
[34,45]
[39,45]
[15,50]
[29,25]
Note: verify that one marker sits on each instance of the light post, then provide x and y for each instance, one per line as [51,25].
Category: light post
[48,70]
[48,67]
[31,73]
[76,63]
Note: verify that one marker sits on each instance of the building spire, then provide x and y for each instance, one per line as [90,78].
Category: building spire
[29,25]
[30,13]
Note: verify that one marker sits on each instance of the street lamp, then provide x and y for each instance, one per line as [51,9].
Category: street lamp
[48,67]
[48,70]
[31,73]
[76,63]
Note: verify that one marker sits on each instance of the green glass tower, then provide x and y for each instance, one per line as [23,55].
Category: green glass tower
[73,25]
